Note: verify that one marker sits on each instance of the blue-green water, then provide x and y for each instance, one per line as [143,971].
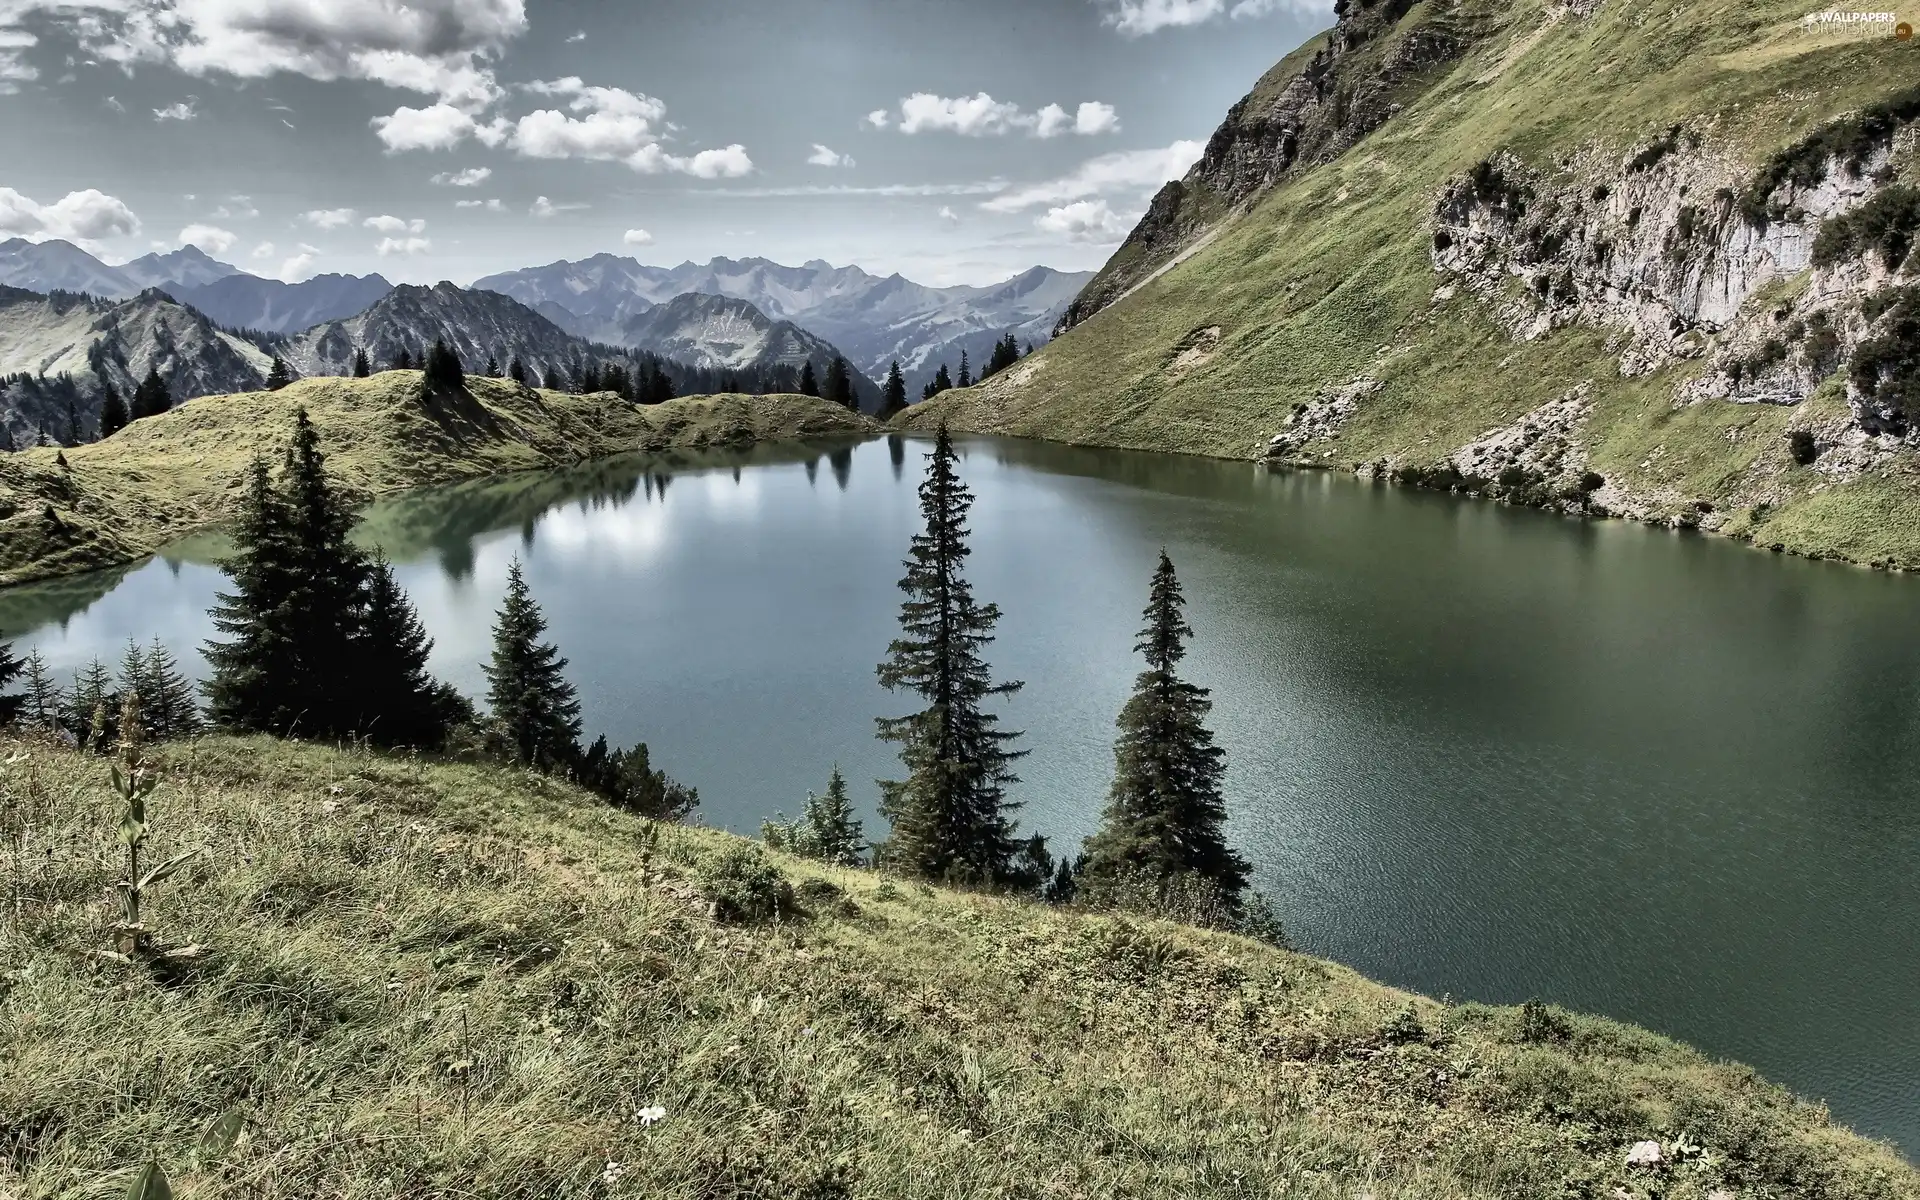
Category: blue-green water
[1474,751]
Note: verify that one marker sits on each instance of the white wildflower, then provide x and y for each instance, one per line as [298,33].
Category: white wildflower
[651,1113]
[612,1172]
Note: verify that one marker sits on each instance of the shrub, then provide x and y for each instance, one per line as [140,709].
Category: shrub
[1801,447]
[1662,146]
[1885,369]
[1887,223]
[1405,1027]
[1542,1023]
[1493,188]
[1592,481]
[742,887]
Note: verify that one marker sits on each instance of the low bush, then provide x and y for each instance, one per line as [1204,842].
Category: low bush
[742,887]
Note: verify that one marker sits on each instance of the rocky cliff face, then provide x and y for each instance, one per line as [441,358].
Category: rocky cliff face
[1308,109]
[1779,283]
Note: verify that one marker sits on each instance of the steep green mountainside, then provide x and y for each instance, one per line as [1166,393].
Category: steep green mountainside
[164,476]
[424,978]
[1616,257]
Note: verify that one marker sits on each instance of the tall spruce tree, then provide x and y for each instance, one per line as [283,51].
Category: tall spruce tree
[552,381]
[840,383]
[361,367]
[277,378]
[942,382]
[950,814]
[894,395]
[809,386]
[493,367]
[966,376]
[517,371]
[12,705]
[536,713]
[45,699]
[443,370]
[1165,814]
[113,411]
[402,361]
[296,614]
[151,398]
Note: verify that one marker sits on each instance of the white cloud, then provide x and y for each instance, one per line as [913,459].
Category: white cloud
[1136,18]
[823,156]
[1095,118]
[299,267]
[879,118]
[388,247]
[970,116]
[578,35]
[263,250]
[114,104]
[947,214]
[543,207]
[637,237]
[471,177]
[440,48]
[436,127]
[83,217]
[390,224]
[328,218]
[1127,170]
[981,115]
[211,238]
[237,208]
[491,205]
[982,188]
[182,110]
[1085,221]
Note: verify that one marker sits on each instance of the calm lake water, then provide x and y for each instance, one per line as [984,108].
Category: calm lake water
[1473,751]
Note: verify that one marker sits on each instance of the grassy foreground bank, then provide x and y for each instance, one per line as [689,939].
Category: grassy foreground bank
[440,979]
[117,500]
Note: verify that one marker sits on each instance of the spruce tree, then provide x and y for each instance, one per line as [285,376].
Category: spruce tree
[840,383]
[536,714]
[92,701]
[278,377]
[966,376]
[493,367]
[402,704]
[627,779]
[894,396]
[1165,814]
[167,701]
[443,372]
[836,833]
[402,361]
[46,701]
[361,367]
[296,612]
[950,814]
[151,398]
[517,371]
[809,386]
[113,411]
[11,705]
[552,381]
[942,382]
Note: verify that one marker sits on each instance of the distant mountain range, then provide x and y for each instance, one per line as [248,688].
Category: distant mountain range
[724,334]
[875,320]
[747,322]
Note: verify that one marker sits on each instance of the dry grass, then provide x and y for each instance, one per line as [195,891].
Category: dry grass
[168,475]
[445,979]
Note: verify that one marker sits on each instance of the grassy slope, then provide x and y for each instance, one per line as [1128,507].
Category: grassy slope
[162,477]
[443,979]
[1329,277]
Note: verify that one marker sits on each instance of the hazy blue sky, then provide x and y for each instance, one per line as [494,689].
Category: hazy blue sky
[443,139]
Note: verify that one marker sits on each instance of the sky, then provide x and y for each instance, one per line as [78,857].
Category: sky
[954,141]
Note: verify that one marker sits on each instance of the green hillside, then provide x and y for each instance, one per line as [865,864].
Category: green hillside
[119,499]
[428,978]
[1522,250]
